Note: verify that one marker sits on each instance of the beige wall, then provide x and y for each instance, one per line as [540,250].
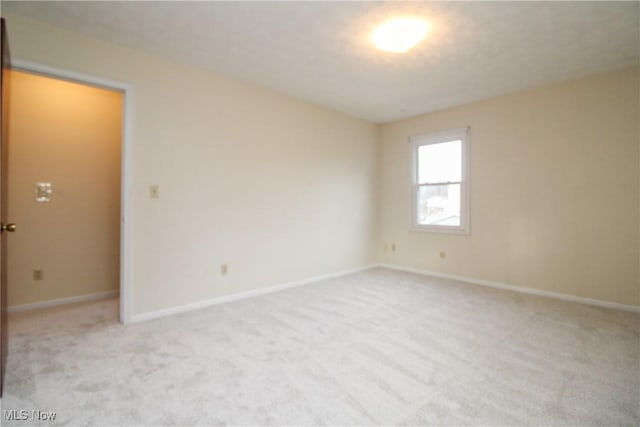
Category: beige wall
[554,190]
[278,189]
[282,190]
[67,134]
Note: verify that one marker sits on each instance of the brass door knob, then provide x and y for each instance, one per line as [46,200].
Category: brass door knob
[9,227]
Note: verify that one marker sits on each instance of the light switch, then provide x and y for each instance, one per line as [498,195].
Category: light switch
[154,191]
[44,190]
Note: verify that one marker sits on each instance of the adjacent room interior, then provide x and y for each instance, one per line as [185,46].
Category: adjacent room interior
[288,219]
[66,145]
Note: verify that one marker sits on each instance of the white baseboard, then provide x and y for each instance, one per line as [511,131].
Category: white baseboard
[520,289]
[62,301]
[243,295]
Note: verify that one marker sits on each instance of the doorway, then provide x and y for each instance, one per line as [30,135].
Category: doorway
[68,183]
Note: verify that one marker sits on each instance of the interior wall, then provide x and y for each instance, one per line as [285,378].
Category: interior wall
[281,190]
[69,135]
[277,189]
[554,190]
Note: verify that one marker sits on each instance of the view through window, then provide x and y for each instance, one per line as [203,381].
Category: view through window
[439,200]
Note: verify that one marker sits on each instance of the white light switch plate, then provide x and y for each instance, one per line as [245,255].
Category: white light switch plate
[154,191]
[44,190]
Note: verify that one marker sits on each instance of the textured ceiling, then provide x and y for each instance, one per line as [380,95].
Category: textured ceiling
[321,51]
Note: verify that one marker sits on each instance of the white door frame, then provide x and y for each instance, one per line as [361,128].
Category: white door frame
[126,217]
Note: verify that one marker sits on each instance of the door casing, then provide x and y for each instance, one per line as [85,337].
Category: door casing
[126,187]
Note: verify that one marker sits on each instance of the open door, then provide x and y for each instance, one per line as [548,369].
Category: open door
[4,225]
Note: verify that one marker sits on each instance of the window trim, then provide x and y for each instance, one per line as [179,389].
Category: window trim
[417,141]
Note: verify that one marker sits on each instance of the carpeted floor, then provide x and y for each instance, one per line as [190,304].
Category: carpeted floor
[374,348]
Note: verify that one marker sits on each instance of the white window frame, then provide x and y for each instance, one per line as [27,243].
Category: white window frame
[418,141]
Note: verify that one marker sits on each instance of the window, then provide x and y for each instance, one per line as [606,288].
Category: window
[439,179]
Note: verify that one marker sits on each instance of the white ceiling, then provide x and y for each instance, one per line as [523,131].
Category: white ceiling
[321,51]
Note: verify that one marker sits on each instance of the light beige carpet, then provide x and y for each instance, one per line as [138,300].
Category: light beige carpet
[374,348]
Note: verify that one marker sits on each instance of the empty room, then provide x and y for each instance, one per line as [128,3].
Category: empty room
[320,213]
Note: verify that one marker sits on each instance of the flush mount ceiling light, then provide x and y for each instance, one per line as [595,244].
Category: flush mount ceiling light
[400,34]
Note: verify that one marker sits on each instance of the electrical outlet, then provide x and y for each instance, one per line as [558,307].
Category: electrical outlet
[443,254]
[224,269]
[393,247]
[38,274]
[154,191]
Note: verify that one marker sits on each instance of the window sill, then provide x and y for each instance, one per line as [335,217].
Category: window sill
[440,230]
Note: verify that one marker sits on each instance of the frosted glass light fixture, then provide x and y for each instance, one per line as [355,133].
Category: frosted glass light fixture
[400,34]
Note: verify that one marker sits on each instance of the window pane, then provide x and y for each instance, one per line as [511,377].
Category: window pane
[439,204]
[440,162]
